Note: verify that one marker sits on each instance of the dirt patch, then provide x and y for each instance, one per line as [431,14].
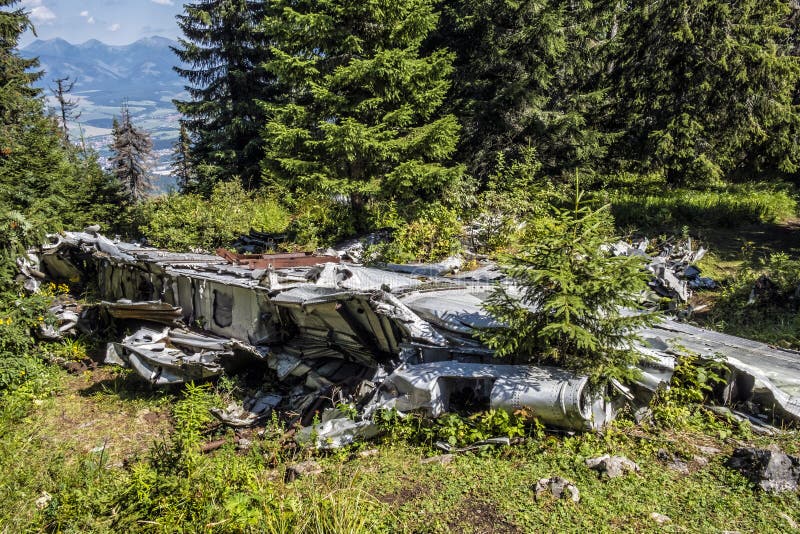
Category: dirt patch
[103,422]
[410,490]
[480,515]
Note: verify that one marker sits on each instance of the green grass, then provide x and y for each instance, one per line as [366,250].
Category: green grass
[154,485]
[647,202]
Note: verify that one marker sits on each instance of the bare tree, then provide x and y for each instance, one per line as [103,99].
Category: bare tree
[67,105]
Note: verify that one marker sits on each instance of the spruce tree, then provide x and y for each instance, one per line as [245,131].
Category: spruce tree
[181,162]
[362,114]
[528,77]
[17,94]
[223,50]
[703,89]
[132,156]
[567,306]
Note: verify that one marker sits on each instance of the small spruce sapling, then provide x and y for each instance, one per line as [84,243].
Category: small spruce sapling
[570,294]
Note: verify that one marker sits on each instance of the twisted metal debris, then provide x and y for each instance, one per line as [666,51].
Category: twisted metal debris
[338,334]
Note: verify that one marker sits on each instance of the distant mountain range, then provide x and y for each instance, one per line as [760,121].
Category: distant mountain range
[105,76]
[138,71]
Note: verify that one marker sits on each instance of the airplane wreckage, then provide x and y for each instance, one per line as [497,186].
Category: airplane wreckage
[334,332]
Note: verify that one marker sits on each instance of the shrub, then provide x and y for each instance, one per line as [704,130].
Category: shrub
[571,292]
[182,222]
[432,236]
[513,193]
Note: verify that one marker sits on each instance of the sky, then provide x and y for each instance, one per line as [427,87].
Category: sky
[115,22]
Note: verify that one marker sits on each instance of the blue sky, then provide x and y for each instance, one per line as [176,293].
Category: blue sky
[111,21]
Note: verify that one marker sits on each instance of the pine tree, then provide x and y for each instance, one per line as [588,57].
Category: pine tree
[132,158]
[181,162]
[703,89]
[528,77]
[570,293]
[224,49]
[362,114]
[17,95]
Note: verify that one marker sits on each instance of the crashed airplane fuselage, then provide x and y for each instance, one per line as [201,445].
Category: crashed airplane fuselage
[336,332]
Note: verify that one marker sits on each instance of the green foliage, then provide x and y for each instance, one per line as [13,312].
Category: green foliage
[192,414]
[432,236]
[528,75]
[455,429]
[223,49]
[515,192]
[20,315]
[680,406]
[702,89]
[185,221]
[647,201]
[571,295]
[360,110]
[318,219]
[768,312]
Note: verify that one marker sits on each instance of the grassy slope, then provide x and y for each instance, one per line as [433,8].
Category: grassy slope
[391,490]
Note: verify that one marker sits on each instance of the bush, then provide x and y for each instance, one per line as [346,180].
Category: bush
[433,235]
[319,220]
[571,294]
[513,193]
[182,222]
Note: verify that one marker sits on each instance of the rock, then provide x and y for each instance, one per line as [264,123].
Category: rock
[302,469]
[244,444]
[43,500]
[661,519]
[612,466]
[673,462]
[442,459]
[368,453]
[770,469]
[558,487]
[710,451]
[701,461]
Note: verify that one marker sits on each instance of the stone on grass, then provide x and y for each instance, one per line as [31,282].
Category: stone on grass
[442,459]
[661,519]
[43,500]
[558,487]
[302,469]
[612,466]
[770,469]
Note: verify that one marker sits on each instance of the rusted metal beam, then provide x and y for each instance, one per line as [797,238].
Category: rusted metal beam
[276,261]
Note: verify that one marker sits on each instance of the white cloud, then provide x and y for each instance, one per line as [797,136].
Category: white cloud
[42,14]
[84,14]
[90,20]
[163,2]
[114,27]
